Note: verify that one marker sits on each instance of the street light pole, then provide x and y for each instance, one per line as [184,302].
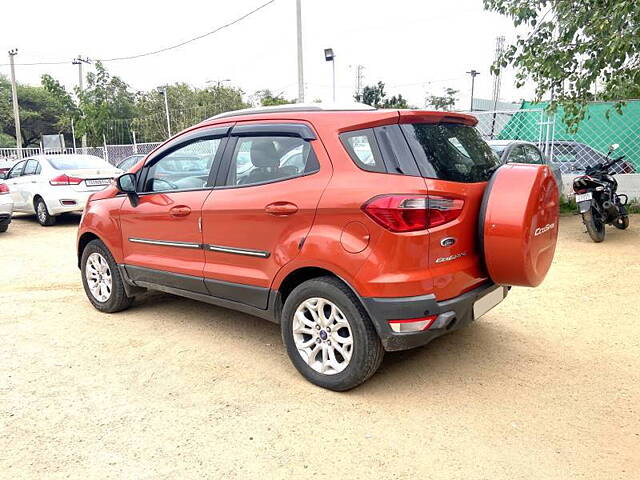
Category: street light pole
[474,74]
[300,64]
[14,99]
[163,90]
[333,66]
[329,56]
[79,61]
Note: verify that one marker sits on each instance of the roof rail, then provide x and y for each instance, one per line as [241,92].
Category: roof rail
[297,107]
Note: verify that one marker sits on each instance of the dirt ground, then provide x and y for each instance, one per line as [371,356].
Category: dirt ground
[545,386]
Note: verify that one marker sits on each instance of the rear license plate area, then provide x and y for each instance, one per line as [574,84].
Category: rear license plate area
[486,303]
[97,182]
[583,197]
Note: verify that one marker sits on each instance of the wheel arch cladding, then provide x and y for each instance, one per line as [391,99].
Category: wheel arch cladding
[83,241]
[302,274]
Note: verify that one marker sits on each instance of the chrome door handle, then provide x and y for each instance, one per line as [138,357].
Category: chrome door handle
[280,209]
[180,211]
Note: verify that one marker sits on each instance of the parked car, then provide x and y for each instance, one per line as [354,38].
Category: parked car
[6,164]
[575,157]
[517,151]
[129,162]
[356,230]
[49,185]
[6,207]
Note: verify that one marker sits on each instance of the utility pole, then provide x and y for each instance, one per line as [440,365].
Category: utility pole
[497,82]
[300,64]
[79,61]
[359,80]
[474,74]
[14,99]
[163,91]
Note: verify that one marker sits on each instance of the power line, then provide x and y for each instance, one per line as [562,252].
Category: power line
[161,50]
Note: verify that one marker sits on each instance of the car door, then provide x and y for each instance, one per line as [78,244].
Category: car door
[161,231]
[257,218]
[14,182]
[29,181]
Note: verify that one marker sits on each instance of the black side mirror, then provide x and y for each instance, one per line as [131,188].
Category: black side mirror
[126,183]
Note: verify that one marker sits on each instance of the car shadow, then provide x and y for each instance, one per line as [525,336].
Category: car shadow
[64,219]
[468,355]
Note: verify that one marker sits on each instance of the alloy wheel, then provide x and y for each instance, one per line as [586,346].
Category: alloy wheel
[322,336]
[99,279]
[42,212]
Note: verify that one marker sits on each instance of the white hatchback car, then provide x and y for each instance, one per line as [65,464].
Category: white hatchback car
[6,207]
[49,185]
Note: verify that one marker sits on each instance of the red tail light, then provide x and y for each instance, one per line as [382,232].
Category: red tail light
[65,180]
[409,213]
[4,188]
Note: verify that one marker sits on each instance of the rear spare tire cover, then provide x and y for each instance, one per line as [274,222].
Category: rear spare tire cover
[519,224]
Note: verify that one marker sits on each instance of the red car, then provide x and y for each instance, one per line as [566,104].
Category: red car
[359,231]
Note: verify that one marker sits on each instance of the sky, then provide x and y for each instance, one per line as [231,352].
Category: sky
[416,47]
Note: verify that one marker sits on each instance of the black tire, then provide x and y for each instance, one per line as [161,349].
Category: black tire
[595,227]
[3,228]
[366,350]
[118,299]
[42,213]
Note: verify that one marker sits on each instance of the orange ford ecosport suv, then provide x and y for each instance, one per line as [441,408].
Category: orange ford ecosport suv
[357,230]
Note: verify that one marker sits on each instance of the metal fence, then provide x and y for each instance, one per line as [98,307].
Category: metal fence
[573,150]
[114,154]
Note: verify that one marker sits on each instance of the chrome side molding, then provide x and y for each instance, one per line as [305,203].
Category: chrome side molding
[238,251]
[214,248]
[165,243]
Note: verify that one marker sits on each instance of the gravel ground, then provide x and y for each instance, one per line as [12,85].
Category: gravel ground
[545,386]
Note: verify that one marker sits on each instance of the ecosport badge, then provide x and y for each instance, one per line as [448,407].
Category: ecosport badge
[452,257]
[541,230]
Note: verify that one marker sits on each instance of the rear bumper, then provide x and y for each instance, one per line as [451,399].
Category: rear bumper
[6,209]
[452,314]
[67,201]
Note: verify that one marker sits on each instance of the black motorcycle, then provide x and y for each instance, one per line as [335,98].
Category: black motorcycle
[597,200]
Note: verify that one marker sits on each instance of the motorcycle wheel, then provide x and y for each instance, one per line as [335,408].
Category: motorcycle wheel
[595,226]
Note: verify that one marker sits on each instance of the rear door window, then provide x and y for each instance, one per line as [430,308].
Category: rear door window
[449,151]
[31,167]
[259,160]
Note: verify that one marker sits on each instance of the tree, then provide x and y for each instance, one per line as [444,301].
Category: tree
[187,106]
[40,113]
[105,98]
[64,102]
[571,46]
[267,98]
[445,102]
[375,96]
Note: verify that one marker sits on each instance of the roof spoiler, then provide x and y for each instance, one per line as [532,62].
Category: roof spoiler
[416,116]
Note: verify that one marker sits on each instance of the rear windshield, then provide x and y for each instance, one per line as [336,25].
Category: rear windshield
[76,163]
[450,152]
